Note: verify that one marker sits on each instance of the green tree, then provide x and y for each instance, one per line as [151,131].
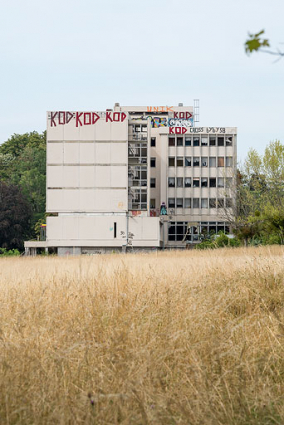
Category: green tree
[256,42]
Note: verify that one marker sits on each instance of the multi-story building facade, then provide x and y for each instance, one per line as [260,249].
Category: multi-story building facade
[109,173]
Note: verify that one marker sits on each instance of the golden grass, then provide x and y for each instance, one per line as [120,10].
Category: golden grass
[189,337]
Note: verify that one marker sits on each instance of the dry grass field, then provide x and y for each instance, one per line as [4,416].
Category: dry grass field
[189,337]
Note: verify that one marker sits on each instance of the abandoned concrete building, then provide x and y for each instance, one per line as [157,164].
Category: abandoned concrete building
[133,176]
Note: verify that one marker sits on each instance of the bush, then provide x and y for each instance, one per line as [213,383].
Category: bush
[9,252]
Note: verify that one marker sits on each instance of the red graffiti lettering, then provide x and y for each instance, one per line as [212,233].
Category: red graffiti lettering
[87,121]
[170,108]
[188,115]
[123,116]
[78,121]
[108,117]
[61,114]
[53,123]
[175,115]
[177,130]
[95,118]
[116,116]
[172,130]
[68,117]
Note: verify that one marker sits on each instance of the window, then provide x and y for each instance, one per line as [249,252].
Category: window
[204,203]
[220,203]
[229,202]
[187,141]
[177,230]
[212,140]
[152,182]
[171,203]
[172,141]
[212,203]
[195,181]
[187,182]
[171,182]
[229,161]
[153,142]
[179,182]
[229,141]
[220,161]
[220,140]
[114,229]
[221,182]
[179,203]
[187,203]
[196,140]
[204,141]
[212,161]
[187,161]
[153,162]
[171,162]
[195,203]
[228,182]
[196,161]
[204,181]
[144,128]
[179,141]
[152,203]
[179,161]
[212,182]
[204,161]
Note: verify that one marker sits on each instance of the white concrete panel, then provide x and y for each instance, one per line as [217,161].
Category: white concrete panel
[87,200]
[70,200]
[55,133]
[119,153]
[102,154]
[70,227]
[53,200]
[102,130]
[54,153]
[55,176]
[71,153]
[71,176]
[87,153]
[53,228]
[71,132]
[87,132]
[86,176]
[119,200]
[102,176]
[119,176]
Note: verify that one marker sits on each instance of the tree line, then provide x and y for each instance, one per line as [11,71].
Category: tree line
[257,216]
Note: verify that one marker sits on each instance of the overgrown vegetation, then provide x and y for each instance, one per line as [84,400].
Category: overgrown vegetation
[165,338]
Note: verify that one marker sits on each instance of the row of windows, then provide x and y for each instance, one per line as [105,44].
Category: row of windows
[196,161]
[199,182]
[199,203]
[182,230]
[203,140]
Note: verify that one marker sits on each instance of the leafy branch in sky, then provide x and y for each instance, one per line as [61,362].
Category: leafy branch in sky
[256,42]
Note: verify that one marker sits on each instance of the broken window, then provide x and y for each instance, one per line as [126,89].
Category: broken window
[196,161]
[172,141]
[187,161]
[229,141]
[196,140]
[187,203]
[179,141]
[212,161]
[220,203]
[221,182]
[171,161]
[171,182]
[204,203]
[212,203]
[220,161]
[204,161]
[195,203]
[204,181]
[179,182]
[196,181]
[179,161]
[204,141]
[179,203]
[187,181]
[187,141]
[212,182]
[152,203]
[220,140]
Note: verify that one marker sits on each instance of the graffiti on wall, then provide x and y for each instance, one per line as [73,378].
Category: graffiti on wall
[160,109]
[84,118]
[208,130]
[159,122]
[173,122]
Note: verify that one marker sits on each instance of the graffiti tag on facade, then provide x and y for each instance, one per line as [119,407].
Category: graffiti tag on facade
[173,122]
[160,109]
[84,118]
[159,122]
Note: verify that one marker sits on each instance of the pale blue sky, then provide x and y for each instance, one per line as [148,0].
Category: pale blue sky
[88,54]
